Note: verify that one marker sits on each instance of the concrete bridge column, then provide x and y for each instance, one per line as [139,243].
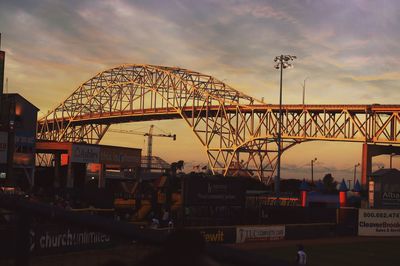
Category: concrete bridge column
[366,165]
[372,150]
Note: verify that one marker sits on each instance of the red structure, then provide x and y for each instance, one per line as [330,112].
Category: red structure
[304,188]
[343,194]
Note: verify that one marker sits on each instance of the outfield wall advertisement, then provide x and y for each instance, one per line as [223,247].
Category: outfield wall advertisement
[218,234]
[48,239]
[259,233]
[373,222]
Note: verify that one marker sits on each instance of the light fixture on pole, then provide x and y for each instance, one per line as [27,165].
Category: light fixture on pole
[312,170]
[282,61]
[355,174]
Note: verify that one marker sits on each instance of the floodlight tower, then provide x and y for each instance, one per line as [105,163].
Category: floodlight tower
[282,62]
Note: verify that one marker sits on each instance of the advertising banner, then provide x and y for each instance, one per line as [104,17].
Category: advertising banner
[219,234]
[390,199]
[85,154]
[3,147]
[259,233]
[53,239]
[373,222]
[214,191]
[120,156]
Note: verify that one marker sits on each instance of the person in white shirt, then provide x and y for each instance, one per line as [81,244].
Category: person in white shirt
[301,256]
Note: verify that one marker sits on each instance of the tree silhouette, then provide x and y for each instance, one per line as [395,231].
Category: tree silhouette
[329,183]
[175,166]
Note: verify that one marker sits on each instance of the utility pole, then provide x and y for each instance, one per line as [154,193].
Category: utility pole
[312,170]
[149,147]
[355,173]
[304,90]
[391,160]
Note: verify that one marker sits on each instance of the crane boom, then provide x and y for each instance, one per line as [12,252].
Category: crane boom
[132,132]
[149,136]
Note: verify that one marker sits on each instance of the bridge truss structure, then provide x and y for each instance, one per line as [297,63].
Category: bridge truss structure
[238,132]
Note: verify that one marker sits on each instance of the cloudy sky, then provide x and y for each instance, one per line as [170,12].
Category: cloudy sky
[348,51]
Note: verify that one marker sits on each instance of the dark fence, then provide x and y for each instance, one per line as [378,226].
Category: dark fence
[347,221]
[40,229]
[229,215]
[34,228]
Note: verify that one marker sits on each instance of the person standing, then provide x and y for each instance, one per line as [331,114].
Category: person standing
[301,258]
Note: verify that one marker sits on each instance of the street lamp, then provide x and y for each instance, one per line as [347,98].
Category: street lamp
[355,174]
[282,61]
[312,170]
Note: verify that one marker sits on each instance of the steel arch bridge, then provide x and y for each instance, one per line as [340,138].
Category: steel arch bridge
[237,131]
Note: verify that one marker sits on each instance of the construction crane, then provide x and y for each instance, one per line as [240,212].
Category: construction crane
[149,136]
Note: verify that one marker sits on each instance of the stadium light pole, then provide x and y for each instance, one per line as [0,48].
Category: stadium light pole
[282,62]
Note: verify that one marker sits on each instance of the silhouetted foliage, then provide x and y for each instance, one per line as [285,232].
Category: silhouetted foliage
[175,166]
[329,183]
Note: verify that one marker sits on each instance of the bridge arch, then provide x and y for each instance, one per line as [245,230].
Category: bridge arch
[236,130]
[146,92]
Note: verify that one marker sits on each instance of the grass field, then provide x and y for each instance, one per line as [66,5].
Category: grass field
[373,252]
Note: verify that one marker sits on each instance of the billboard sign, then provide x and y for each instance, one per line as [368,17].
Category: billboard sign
[51,239]
[3,147]
[85,154]
[374,222]
[390,199]
[203,191]
[259,233]
[120,156]
[219,234]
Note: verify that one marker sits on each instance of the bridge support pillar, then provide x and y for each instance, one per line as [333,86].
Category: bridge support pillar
[372,150]
[366,165]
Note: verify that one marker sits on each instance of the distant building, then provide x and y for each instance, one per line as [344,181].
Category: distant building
[17,140]
[384,189]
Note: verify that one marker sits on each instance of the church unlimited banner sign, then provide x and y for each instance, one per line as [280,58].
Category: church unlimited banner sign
[374,222]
